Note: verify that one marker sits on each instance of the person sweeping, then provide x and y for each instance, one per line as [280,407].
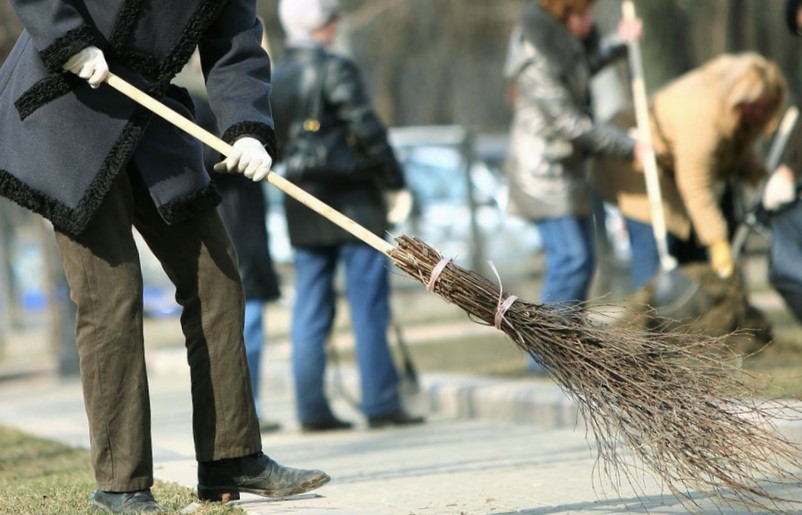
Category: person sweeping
[97,165]
[663,405]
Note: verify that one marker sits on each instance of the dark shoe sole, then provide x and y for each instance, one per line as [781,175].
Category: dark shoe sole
[224,494]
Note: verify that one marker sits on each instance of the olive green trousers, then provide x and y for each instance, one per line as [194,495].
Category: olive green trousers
[103,271]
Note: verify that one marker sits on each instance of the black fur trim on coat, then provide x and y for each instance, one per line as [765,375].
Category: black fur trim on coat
[258,130]
[74,221]
[65,47]
[193,32]
[190,206]
[152,68]
[44,91]
[124,23]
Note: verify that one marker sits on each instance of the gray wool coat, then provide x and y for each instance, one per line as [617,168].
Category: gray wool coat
[552,132]
[62,143]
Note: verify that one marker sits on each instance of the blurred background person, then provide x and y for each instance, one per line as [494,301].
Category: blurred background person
[553,53]
[705,126]
[318,98]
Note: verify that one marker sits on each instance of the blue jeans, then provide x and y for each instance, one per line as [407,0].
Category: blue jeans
[644,258]
[254,333]
[568,244]
[785,272]
[367,289]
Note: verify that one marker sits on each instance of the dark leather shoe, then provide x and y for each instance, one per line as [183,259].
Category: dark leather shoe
[329,424]
[223,480]
[125,502]
[396,418]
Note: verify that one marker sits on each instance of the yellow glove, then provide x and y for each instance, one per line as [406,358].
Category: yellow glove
[720,256]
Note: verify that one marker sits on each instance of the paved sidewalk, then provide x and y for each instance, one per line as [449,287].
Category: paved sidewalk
[489,446]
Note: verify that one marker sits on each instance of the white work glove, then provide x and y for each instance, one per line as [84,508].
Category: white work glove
[780,189]
[399,206]
[89,64]
[248,157]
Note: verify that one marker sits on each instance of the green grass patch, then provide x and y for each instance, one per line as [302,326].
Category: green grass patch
[42,477]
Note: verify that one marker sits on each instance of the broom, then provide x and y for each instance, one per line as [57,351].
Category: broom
[676,406]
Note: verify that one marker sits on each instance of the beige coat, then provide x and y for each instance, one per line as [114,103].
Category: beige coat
[696,135]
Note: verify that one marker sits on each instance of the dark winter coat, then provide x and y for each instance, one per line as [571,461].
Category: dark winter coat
[62,144]
[345,103]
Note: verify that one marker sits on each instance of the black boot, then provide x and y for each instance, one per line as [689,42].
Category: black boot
[125,502]
[223,480]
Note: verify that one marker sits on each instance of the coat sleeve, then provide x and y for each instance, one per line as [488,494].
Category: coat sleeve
[57,29]
[541,85]
[694,158]
[237,73]
[603,50]
[345,90]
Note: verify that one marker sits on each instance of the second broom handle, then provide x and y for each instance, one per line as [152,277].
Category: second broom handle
[653,192]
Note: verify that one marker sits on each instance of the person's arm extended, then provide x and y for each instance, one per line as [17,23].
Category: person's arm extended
[695,160]
[237,73]
[539,85]
[694,157]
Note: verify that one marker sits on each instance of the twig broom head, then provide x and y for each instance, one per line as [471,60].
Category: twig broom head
[683,411]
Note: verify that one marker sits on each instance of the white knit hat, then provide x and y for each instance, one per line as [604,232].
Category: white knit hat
[302,17]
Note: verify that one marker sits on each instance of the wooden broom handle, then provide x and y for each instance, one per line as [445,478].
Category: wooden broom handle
[224,148]
[667,261]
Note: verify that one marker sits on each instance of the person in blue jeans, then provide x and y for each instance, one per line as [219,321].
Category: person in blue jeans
[553,52]
[367,290]
[568,247]
[319,95]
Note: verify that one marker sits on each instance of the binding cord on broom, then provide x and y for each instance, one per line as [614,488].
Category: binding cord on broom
[436,271]
[503,305]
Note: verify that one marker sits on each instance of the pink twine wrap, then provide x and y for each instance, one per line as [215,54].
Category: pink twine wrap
[438,269]
[503,307]
[502,310]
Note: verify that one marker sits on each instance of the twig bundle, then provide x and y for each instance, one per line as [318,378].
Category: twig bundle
[681,409]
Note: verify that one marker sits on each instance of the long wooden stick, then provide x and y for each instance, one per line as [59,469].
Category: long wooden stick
[653,192]
[224,148]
